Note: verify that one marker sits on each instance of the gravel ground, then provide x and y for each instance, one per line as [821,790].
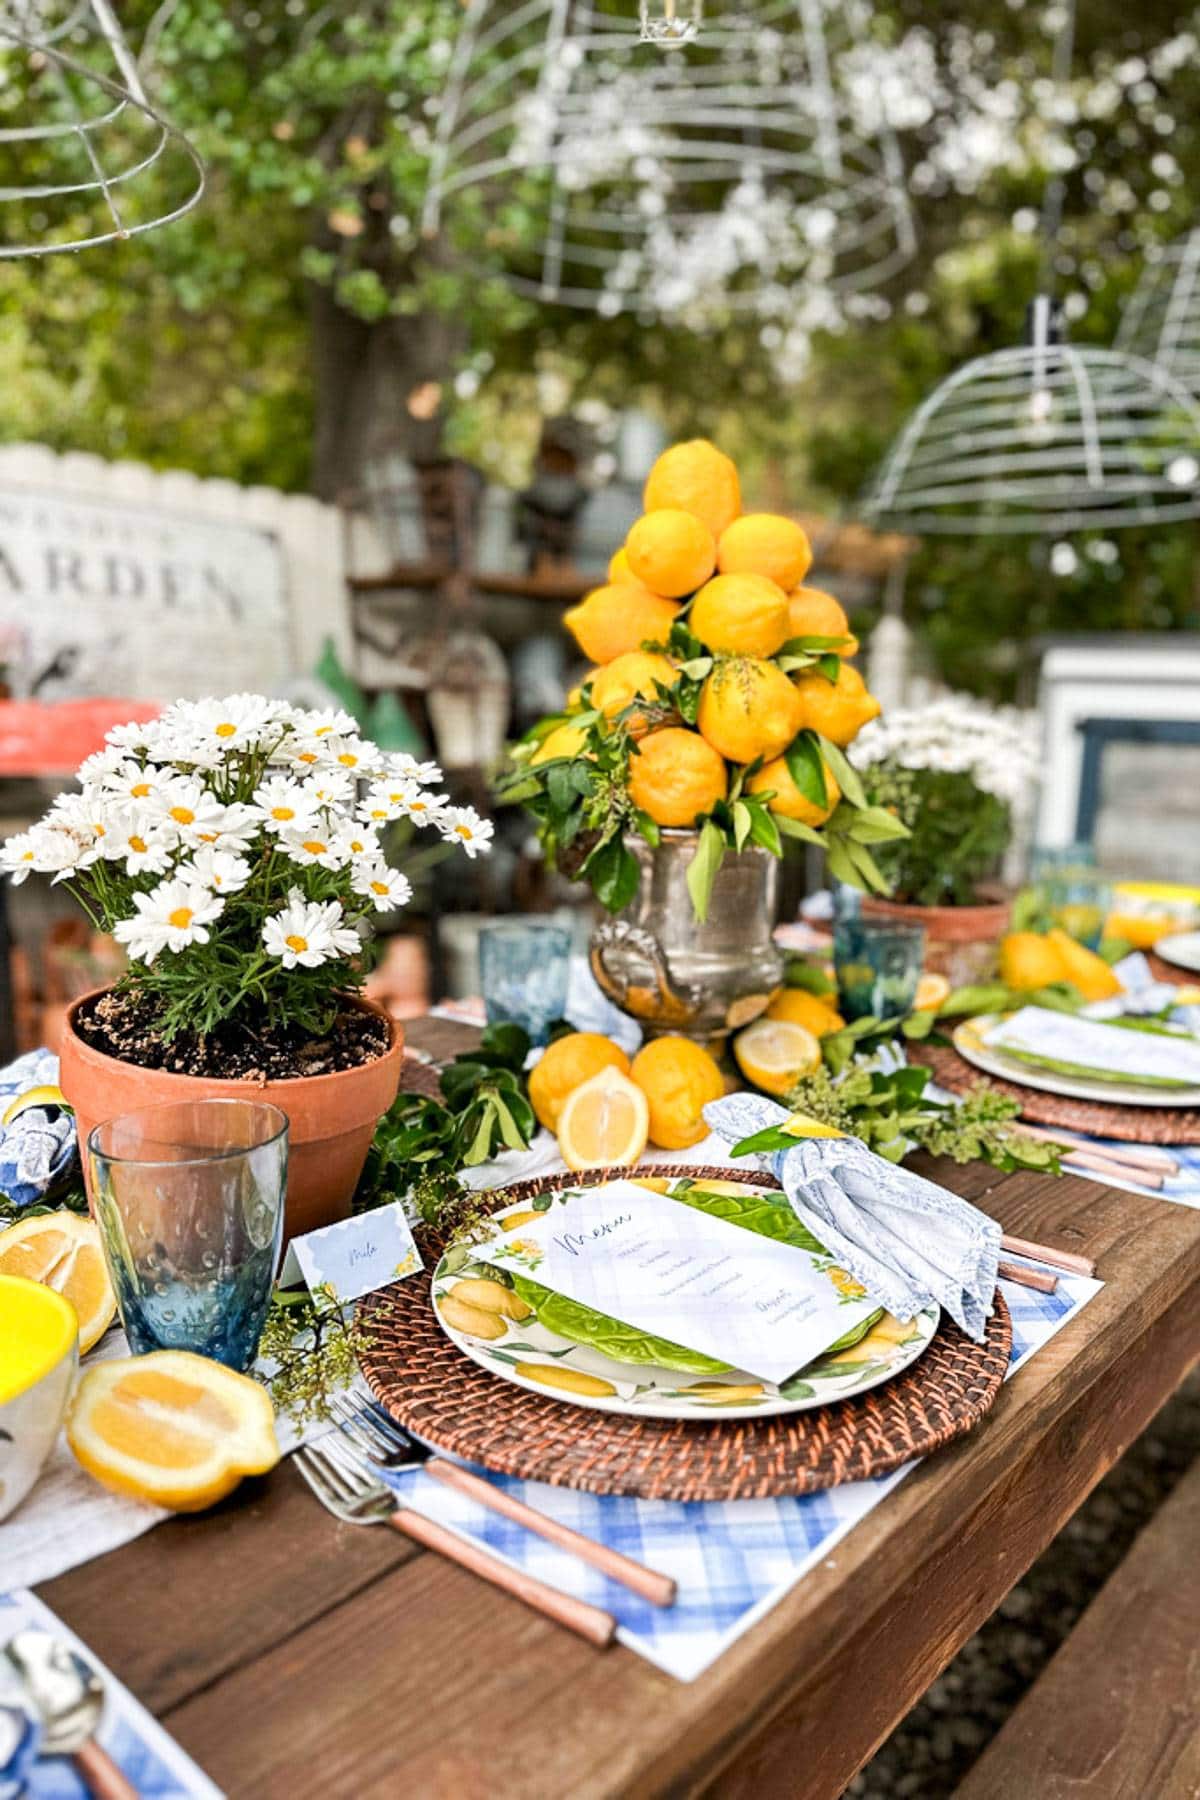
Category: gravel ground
[931,1750]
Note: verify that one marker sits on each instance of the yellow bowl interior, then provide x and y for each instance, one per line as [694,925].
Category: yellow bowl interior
[37,1329]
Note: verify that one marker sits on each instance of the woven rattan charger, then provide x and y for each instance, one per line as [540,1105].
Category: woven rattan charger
[427,1384]
[1102,1118]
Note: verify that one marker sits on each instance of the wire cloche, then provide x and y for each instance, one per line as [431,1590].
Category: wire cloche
[1162,319]
[1050,437]
[670,23]
[85,157]
[723,174]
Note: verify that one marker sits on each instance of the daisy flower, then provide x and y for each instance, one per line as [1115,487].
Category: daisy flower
[145,849]
[170,917]
[239,722]
[237,828]
[100,766]
[357,841]
[60,851]
[308,933]
[462,824]
[330,787]
[327,721]
[400,800]
[284,805]
[217,869]
[385,888]
[19,856]
[313,844]
[401,765]
[184,805]
[353,754]
[88,817]
[127,781]
[137,735]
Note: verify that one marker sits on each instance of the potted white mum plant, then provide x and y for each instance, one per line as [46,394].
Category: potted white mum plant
[233,847]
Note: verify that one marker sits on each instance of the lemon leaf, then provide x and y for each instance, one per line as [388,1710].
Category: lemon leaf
[702,870]
[804,765]
[844,773]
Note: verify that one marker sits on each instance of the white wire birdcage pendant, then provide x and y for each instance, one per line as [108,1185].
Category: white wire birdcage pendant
[669,23]
[1162,320]
[85,158]
[1048,437]
[723,177]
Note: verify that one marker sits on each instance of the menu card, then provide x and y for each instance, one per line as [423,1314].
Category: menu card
[1113,1051]
[663,1267]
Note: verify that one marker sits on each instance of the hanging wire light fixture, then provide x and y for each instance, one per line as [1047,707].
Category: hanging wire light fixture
[670,23]
[1162,320]
[724,175]
[1048,437]
[86,158]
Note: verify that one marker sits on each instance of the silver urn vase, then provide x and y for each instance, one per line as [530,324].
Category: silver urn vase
[671,973]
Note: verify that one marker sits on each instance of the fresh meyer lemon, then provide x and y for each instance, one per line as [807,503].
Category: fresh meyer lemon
[1081,966]
[814,613]
[698,478]
[671,551]
[1028,960]
[776,1053]
[932,991]
[786,799]
[746,615]
[678,1078]
[1141,930]
[172,1428]
[564,740]
[63,1252]
[748,708]
[635,676]
[613,620]
[676,776]
[766,544]
[619,572]
[567,1063]
[839,709]
[802,1008]
[47,1096]
[605,1121]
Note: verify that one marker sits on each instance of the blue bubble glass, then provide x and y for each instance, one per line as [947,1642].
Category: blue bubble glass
[189,1198]
[878,965]
[523,970]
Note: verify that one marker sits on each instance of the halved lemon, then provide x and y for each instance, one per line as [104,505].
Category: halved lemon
[606,1120]
[932,992]
[63,1252]
[776,1053]
[172,1428]
[36,1096]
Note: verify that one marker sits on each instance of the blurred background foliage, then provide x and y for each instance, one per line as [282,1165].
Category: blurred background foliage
[278,333]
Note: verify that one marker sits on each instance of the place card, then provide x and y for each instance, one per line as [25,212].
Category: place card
[355,1256]
[663,1267]
[1111,1050]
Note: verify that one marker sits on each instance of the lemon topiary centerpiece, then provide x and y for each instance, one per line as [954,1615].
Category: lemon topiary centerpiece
[719,710]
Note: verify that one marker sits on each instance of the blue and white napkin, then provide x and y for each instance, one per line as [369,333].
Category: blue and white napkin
[38,1148]
[910,1242]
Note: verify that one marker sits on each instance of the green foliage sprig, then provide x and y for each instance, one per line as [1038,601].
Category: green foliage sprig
[956,833]
[310,1346]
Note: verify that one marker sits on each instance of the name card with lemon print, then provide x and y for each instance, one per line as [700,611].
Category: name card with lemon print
[645,1259]
[355,1256]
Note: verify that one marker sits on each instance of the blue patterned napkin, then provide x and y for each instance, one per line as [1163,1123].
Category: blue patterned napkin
[36,1150]
[910,1242]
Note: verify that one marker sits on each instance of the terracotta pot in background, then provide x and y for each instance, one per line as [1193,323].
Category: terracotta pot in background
[961,942]
[332,1118]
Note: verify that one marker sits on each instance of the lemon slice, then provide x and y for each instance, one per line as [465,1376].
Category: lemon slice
[171,1428]
[803,1125]
[776,1053]
[36,1096]
[606,1120]
[63,1252]
[932,991]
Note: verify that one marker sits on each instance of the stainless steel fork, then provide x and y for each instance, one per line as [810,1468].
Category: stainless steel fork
[343,1486]
[388,1446]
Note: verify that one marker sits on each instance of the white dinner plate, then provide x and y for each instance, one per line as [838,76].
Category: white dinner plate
[968,1041]
[1182,948]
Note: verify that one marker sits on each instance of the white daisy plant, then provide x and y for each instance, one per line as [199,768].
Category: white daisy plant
[230,848]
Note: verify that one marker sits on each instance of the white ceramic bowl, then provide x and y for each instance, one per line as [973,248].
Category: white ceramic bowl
[39,1354]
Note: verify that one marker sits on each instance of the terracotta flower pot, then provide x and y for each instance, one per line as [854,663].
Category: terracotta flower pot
[960,941]
[332,1118]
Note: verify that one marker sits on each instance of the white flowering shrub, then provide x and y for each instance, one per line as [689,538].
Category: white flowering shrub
[233,847]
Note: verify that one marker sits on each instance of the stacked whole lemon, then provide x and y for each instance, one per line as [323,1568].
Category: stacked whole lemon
[736,580]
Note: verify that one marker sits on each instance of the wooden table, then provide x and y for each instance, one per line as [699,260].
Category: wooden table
[293,1657]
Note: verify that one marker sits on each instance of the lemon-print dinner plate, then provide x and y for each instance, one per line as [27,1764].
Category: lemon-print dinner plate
[525,1334]
[969,1042]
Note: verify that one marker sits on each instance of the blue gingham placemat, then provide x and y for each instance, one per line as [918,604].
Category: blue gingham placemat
[733,1560]
[150,1760]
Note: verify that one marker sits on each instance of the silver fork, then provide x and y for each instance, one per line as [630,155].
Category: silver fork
[345,1489]
[388,1446]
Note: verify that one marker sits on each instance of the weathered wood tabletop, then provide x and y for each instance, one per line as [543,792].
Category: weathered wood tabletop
[293,1656]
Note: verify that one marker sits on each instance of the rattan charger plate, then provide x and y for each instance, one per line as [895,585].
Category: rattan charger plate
[428,1385]
[1136,1124]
